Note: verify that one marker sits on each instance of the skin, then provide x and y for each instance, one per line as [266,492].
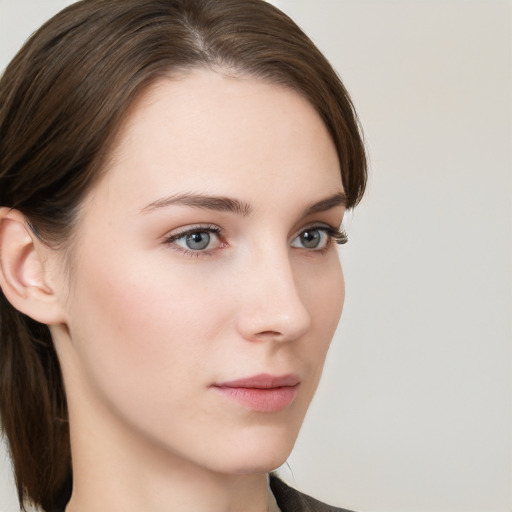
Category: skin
[148,327]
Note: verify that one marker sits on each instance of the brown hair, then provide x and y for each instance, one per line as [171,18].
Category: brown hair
[62,100]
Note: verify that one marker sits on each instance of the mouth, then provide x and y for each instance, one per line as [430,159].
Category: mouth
[261,393]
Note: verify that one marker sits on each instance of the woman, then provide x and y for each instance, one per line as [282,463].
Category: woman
[173,175]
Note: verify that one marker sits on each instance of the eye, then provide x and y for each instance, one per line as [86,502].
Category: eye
[312,238]
[317,238]
[197,239]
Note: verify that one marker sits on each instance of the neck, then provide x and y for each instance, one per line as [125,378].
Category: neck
[129,494]
[119,469]
[110,474]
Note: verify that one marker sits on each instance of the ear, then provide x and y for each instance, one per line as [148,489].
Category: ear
[23,274]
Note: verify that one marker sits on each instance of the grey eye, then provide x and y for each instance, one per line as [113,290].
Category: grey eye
[311,239]
[197,241]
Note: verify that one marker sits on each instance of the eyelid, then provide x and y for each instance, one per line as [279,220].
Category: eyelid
[188,230]
[338,235]
[170,239]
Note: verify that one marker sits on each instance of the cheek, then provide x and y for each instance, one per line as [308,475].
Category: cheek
[323,293]
[323,289]
[139,329]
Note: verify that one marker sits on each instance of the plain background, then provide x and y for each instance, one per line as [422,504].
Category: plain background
[414,413]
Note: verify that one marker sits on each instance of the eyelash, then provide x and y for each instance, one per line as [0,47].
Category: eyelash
[337,236]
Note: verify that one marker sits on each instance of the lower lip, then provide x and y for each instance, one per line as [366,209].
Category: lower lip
[261,400]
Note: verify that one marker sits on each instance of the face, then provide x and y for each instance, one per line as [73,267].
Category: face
[206,283]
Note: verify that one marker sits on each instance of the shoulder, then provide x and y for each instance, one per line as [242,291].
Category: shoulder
[290,500]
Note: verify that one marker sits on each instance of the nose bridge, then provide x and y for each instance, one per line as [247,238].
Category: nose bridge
[272,304]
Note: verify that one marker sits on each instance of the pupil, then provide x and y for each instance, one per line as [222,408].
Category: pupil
[311,239]
[198,241]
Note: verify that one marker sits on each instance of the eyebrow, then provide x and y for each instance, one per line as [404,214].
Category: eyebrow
[227,204]
[338,199]
[205,202]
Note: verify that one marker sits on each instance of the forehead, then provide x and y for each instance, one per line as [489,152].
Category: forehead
[222,133]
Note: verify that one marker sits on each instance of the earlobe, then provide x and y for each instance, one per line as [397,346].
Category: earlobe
[23,276]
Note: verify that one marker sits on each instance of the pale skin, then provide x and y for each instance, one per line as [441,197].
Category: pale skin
[148,326]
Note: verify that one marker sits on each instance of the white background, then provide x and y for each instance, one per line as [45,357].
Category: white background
[414,413]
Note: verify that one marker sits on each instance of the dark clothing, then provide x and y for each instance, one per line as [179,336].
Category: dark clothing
[290,500]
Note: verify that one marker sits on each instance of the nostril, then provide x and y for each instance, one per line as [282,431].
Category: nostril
[270,333]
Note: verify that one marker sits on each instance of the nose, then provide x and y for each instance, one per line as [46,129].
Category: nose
[271,305]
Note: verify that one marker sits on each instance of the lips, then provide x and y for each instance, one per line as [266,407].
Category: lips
[261,393]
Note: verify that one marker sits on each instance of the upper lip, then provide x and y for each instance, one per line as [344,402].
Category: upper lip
[262,381]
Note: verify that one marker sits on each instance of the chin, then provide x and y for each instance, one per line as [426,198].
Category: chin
[258,454]
[259,465]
